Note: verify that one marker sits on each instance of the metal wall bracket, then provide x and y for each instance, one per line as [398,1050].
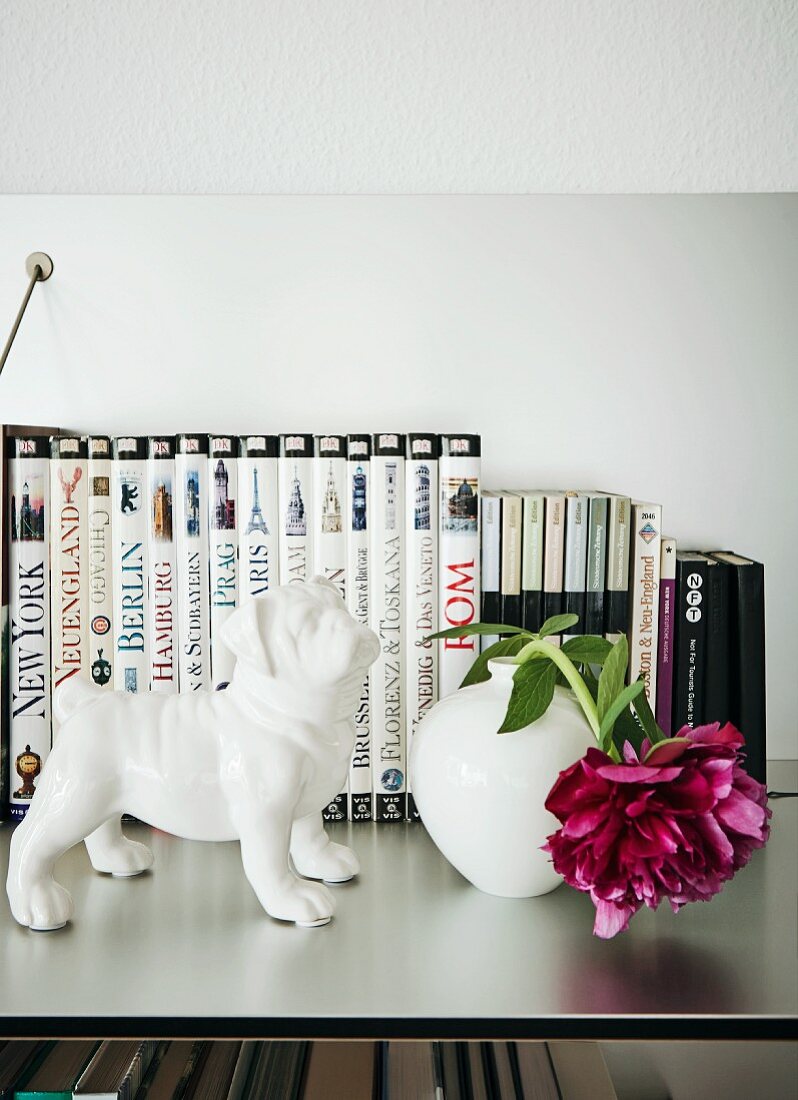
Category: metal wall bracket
[39,267]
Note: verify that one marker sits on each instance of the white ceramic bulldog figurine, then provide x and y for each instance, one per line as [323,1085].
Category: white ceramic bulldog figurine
[256,762]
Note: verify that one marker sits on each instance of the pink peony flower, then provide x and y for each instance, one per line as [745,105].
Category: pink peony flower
[675,823]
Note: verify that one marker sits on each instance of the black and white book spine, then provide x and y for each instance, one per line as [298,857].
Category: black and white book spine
[101,612]
[596,562]
[491,560]
[421,587]
[223,548]
[747,616]
[691,639]
[259,516]
[191,543]
[619,538]
[553,558]
[511,550]
[329,548]
[644,567]
[357,510]
[459,584]
[295,470]
[386,568]
[577,528]
[717,688]
[29,714]
[162,565]
[69,559]
[532,561]
[129,520]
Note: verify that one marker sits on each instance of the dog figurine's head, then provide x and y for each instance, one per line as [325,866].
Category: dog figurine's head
[303,634]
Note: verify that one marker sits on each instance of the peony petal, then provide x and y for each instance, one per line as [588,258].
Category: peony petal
[666,751]
[626,773]
[629,754]
[741,814]
[611,918]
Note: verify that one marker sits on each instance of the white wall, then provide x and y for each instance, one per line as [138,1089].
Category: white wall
[326,96]
[638,344]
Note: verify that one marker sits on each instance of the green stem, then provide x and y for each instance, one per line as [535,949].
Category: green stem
[569,671]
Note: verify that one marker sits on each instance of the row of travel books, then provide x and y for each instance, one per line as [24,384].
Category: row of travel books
[695,621]
[125,556]
[294,1070]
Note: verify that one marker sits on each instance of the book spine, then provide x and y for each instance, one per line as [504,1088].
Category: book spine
[511,610]
[421,588]
[532,561]
[717,687]
[295,471]
[458,555]
[645,553]
[357,508]
[491,610]
[389,742]
[69,533]
[691,633]
[29,619]
[596,564]
[101,613]
[575,560]
[191,544]
[553,549]
[223,549]
[162,565]
[666,650]
[616,614]
[131,658]
[258,524]
[329,549]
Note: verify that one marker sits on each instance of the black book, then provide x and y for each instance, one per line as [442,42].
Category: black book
[717,686]
[692,599]
[747,664]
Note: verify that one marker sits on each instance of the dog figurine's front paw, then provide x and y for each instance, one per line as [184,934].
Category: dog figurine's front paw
[334,863]
[43,907]
[306,903]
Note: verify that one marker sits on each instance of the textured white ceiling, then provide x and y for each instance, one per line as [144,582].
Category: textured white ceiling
[398,95]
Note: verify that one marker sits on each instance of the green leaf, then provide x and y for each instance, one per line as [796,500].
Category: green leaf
[557,624]
[620,703]
[587,649]
[533,691]
[591,683]
[647,720]
[506,647]
[627,728]
[612,676]
[476,628]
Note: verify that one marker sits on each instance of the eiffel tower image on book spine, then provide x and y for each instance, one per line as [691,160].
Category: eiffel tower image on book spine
[256,520]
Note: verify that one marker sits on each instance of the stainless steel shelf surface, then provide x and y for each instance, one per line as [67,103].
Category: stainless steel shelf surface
[413,950]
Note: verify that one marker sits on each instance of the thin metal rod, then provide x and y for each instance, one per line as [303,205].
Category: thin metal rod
[36,277]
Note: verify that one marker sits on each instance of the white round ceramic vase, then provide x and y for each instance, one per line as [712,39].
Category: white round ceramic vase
[481,794]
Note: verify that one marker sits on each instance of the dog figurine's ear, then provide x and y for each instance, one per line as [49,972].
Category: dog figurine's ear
[322,582]
[243,634]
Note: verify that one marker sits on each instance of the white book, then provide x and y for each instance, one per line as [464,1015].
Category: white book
[510,578]
[644,576]
[357,510]
[421,588]
[295,472]
[29,618]
[69,558]
[577,529]
[329,548]
[162,564]
[258,569]
[101,598]
[191,543]
[553,558]
[459,589]
[491,542]
[131,652]
[532,539]
[386,567]
[222,548]
[616,610]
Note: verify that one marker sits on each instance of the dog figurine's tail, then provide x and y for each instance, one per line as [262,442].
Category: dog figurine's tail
[73,695]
